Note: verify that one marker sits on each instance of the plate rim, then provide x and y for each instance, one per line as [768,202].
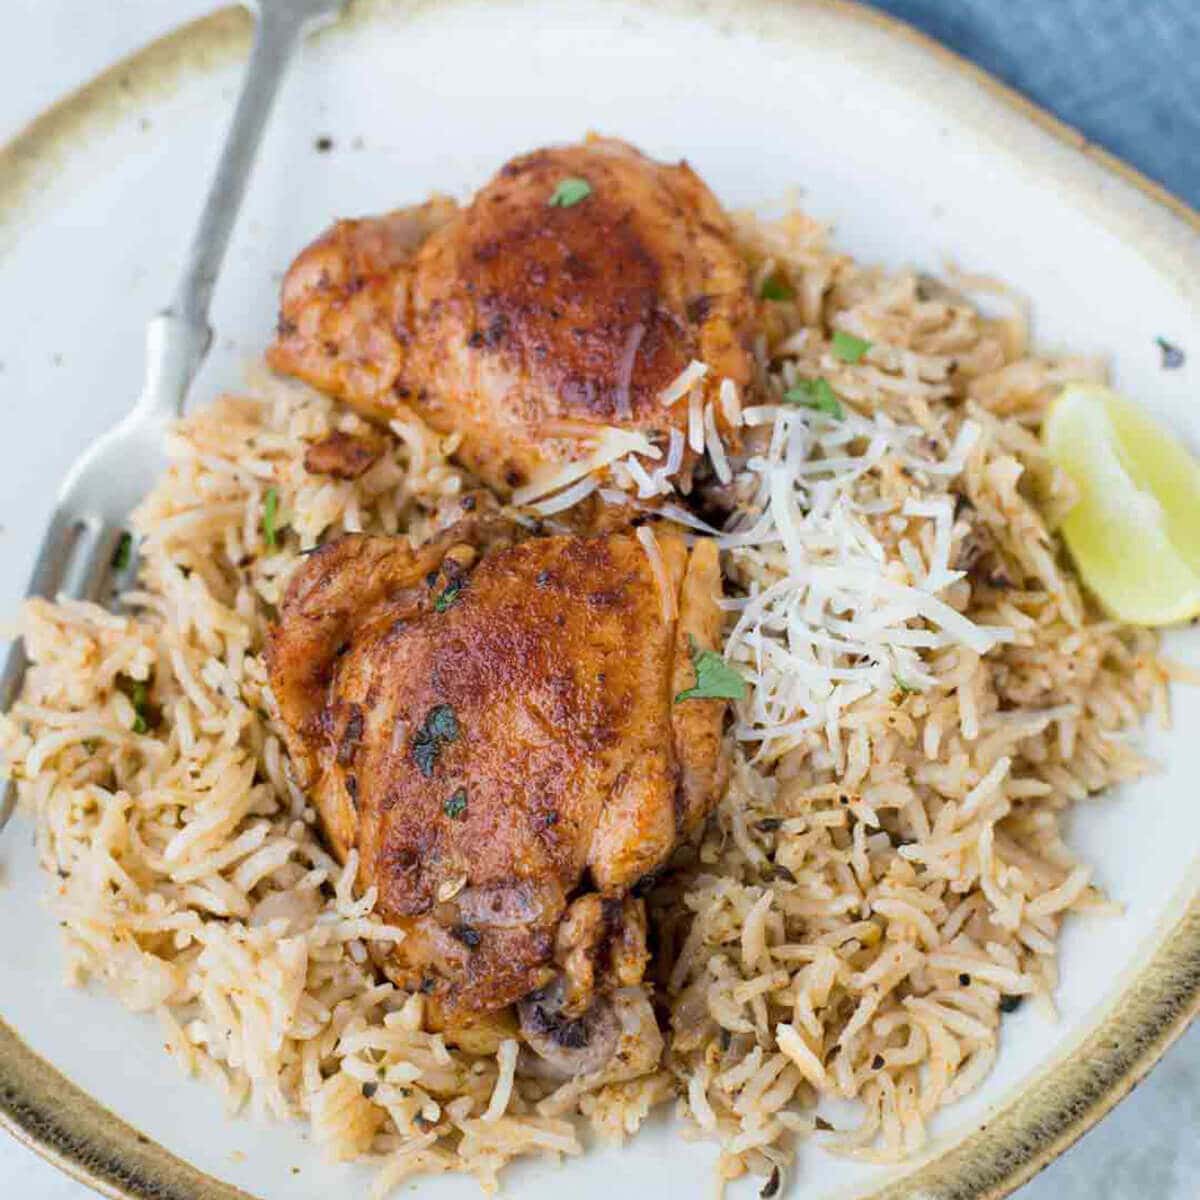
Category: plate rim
[45,1111]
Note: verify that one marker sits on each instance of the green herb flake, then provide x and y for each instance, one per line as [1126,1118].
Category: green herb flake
[123,554]
[448,596]
[141,705]
[776,288]
[425,751]
[569,192]
[715,678]
[902,685]
[456,806]
[442,723]
[440,726]
[815,394]
[138,691]
[848,348]
[271,517]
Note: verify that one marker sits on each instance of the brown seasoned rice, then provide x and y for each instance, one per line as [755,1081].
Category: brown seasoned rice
[865,902]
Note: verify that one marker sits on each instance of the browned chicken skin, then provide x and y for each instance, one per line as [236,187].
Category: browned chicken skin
[490,723]
[514,321]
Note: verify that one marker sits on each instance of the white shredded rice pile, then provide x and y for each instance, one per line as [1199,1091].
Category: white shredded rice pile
[930,691]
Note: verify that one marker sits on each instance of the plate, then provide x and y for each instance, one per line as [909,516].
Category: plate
[914,156]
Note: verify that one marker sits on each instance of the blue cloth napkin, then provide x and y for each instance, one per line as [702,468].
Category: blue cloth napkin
[1126,73]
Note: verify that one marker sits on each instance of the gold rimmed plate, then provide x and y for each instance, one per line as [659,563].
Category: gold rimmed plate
[915,157]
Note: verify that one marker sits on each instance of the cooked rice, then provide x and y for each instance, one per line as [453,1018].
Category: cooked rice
[883,873]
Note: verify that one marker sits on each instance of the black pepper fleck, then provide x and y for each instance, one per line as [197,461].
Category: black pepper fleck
[496,330]
[468,936]
[1172,356]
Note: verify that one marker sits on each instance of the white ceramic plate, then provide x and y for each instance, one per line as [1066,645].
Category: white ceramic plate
[915,159]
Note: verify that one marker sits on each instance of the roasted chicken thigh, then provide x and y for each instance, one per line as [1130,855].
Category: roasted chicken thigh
[559,303]
[491,724]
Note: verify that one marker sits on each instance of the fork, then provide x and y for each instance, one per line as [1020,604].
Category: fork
[79,554]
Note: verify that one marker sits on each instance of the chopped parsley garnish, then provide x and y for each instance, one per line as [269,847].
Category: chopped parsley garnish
[448,596]
[442,723]
[909,689]
[440,727]
[715,678]
[847,347]
[141,705]
[425,752]
[775,288]
[270,517]
[138,691]
[455,806]
[123,554]
[569,191]
[816,394]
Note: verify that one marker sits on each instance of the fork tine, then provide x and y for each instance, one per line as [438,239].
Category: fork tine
[55,556]
[91,561]
[75,560]
[52,562]
[8,803]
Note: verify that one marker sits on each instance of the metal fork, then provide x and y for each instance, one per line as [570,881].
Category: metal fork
[100,491]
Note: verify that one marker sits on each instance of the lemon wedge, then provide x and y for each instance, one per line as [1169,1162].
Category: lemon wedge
[1135,531]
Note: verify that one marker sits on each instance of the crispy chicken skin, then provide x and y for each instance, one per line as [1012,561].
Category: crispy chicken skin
[491,724]
[515,322]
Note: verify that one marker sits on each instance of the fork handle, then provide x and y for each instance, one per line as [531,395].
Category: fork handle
[179,337]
